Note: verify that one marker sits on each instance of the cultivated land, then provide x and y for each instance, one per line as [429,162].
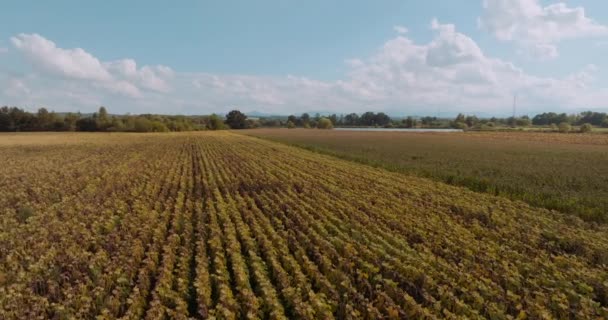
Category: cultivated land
[565,172]
[196,225]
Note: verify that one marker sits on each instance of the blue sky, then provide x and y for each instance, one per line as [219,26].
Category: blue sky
[402,57]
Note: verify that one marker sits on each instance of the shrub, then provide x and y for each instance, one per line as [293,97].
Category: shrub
[564,127]
[24,213]
[587,127]
[290,125]
[460,125]
[553,127]
[324,123]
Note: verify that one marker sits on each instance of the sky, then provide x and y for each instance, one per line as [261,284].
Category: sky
[404,57]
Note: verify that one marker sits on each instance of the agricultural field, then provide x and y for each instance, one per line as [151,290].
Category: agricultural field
[222,225]
[565,172]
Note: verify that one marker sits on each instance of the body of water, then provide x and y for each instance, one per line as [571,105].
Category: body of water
[399,129]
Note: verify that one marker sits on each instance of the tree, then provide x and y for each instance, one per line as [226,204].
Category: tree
[305,119]
[293,119]
[236,120]
[367,119]
[290,125]
[351,119]
[103,120]
[409,122]
[324,123]
[86,124]
[471,121]
[459,122]
[564,127]
[548,118]
[214,123]
[334,119]
[460,118]
[523,121]
[44,119]
[5,119]
[382,119]
[592,118]
[69,121]
[587,127]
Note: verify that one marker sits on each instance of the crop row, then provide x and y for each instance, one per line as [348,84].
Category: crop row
[218,225]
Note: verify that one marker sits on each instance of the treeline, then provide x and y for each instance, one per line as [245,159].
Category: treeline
[13,119]
[368,119]
[558,122]
[599,119]
[16,119]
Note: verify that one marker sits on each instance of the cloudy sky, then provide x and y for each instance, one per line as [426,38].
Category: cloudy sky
[288,56]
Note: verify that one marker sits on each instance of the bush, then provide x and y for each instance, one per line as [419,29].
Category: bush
[564,127]
[24,213]
[553,127]
[460,125]
[587,127]
[290,125]
[215,123]
[324,123]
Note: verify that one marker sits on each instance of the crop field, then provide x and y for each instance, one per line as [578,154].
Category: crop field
[222,225]
[565,172]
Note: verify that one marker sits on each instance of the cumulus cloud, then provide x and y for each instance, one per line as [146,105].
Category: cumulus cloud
[70,63]
[536,28]
[119,77]
[450,71]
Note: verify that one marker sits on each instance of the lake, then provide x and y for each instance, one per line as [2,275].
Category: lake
[399,129]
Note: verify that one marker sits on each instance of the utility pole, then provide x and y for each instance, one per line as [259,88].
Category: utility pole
[514,104]
[514,110]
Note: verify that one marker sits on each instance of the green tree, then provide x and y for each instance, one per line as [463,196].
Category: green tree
[103,120]
[236,120]
[69,121]
[214,123]
[564,127]
[471,121]
[290,125]
[351,119]
[324,123]
[587,127]
[460,118]
[293,119]
[409,122]
[46,119]
[305,118]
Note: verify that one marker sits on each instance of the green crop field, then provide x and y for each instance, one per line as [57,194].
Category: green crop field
[221,225]
[565,172]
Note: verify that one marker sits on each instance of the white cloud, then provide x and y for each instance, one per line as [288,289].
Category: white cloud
[119,77]
[400,29]
[70,63]
[536,28]
[451,71]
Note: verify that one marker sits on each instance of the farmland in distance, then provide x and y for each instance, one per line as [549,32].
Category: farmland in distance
[202,225]
[565,172]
